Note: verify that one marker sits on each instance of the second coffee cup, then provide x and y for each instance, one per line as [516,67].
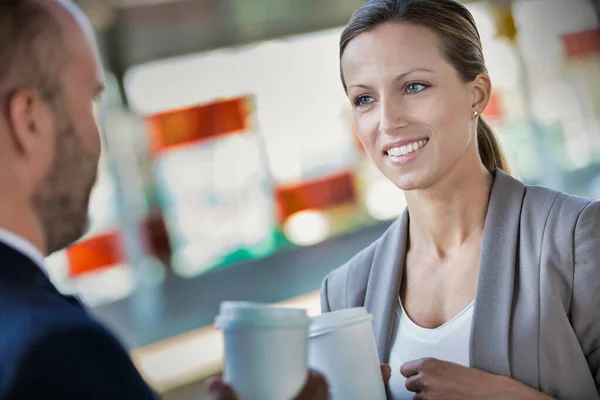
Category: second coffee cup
[342,347]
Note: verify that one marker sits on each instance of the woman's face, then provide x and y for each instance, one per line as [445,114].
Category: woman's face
[412,112]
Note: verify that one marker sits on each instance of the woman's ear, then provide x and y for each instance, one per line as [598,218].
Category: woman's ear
[481,88]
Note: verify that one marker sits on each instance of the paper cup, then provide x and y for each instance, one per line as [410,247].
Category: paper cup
[266,355]
[342,347]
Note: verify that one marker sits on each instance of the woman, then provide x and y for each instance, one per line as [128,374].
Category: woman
[484,287]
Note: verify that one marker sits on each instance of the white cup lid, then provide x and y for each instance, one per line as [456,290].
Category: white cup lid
[235,314]
[332,321]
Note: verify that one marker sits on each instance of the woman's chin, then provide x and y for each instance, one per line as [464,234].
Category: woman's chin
[410,181]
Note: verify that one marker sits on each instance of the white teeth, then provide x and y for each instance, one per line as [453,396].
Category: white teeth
[406,149]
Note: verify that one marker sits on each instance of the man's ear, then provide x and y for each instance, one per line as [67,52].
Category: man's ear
[30,122]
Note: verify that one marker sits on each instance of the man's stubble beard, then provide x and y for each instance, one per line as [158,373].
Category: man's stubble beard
[62,199]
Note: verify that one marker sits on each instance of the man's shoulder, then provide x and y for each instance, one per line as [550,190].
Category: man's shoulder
[29,316]
[48,338]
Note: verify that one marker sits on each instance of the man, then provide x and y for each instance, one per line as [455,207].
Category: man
[50,82]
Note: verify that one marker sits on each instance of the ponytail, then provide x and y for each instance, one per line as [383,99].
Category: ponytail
[490,151]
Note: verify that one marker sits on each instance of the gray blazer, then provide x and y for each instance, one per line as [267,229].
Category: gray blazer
[537,307]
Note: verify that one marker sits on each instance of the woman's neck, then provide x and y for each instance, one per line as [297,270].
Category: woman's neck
[446,215]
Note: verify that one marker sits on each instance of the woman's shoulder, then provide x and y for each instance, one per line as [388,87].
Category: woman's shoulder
[565,222]
[569,207]
[341,281]
[538,202]
[346,285]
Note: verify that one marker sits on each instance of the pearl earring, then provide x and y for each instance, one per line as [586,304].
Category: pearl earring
[475,114]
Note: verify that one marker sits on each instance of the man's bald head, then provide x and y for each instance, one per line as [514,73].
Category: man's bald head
[31,38]
[50,80]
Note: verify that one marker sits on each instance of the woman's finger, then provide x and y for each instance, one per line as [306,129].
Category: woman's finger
[386,373]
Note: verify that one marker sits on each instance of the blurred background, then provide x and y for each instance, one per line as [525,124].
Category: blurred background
[231,170]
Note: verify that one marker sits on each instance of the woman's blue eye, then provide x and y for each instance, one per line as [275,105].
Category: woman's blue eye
[413,88]
[362,101]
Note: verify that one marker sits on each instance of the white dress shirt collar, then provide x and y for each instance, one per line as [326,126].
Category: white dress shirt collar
[24,247]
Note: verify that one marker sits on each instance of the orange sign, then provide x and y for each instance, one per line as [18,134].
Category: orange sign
[322,193]
[193,124]
[98,252]
[494,108]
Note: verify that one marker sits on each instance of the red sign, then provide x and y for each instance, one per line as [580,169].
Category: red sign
[322,193]
[96,253]
[493,109]
[191,125]
[581,44]
[156,235]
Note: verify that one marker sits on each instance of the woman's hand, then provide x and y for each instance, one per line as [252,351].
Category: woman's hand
[386,373]
[433,379]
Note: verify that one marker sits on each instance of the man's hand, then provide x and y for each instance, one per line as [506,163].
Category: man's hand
[219,390]
[316,388]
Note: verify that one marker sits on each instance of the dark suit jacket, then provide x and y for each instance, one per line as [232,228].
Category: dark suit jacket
[51,348]
[537,307]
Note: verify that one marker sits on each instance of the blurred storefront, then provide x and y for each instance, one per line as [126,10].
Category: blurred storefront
[232,170]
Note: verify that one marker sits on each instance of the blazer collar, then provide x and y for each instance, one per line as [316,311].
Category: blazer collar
[496,281]
[23,246]
[493,301]
[18,270]
[384,283]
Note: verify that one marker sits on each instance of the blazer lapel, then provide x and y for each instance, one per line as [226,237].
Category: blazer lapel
[384,283]
[493,303]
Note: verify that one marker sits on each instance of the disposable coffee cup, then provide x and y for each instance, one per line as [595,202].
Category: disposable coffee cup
[266,350]
[342,347]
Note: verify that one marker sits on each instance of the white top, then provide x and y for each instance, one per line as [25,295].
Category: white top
[449,342]
[24,247]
